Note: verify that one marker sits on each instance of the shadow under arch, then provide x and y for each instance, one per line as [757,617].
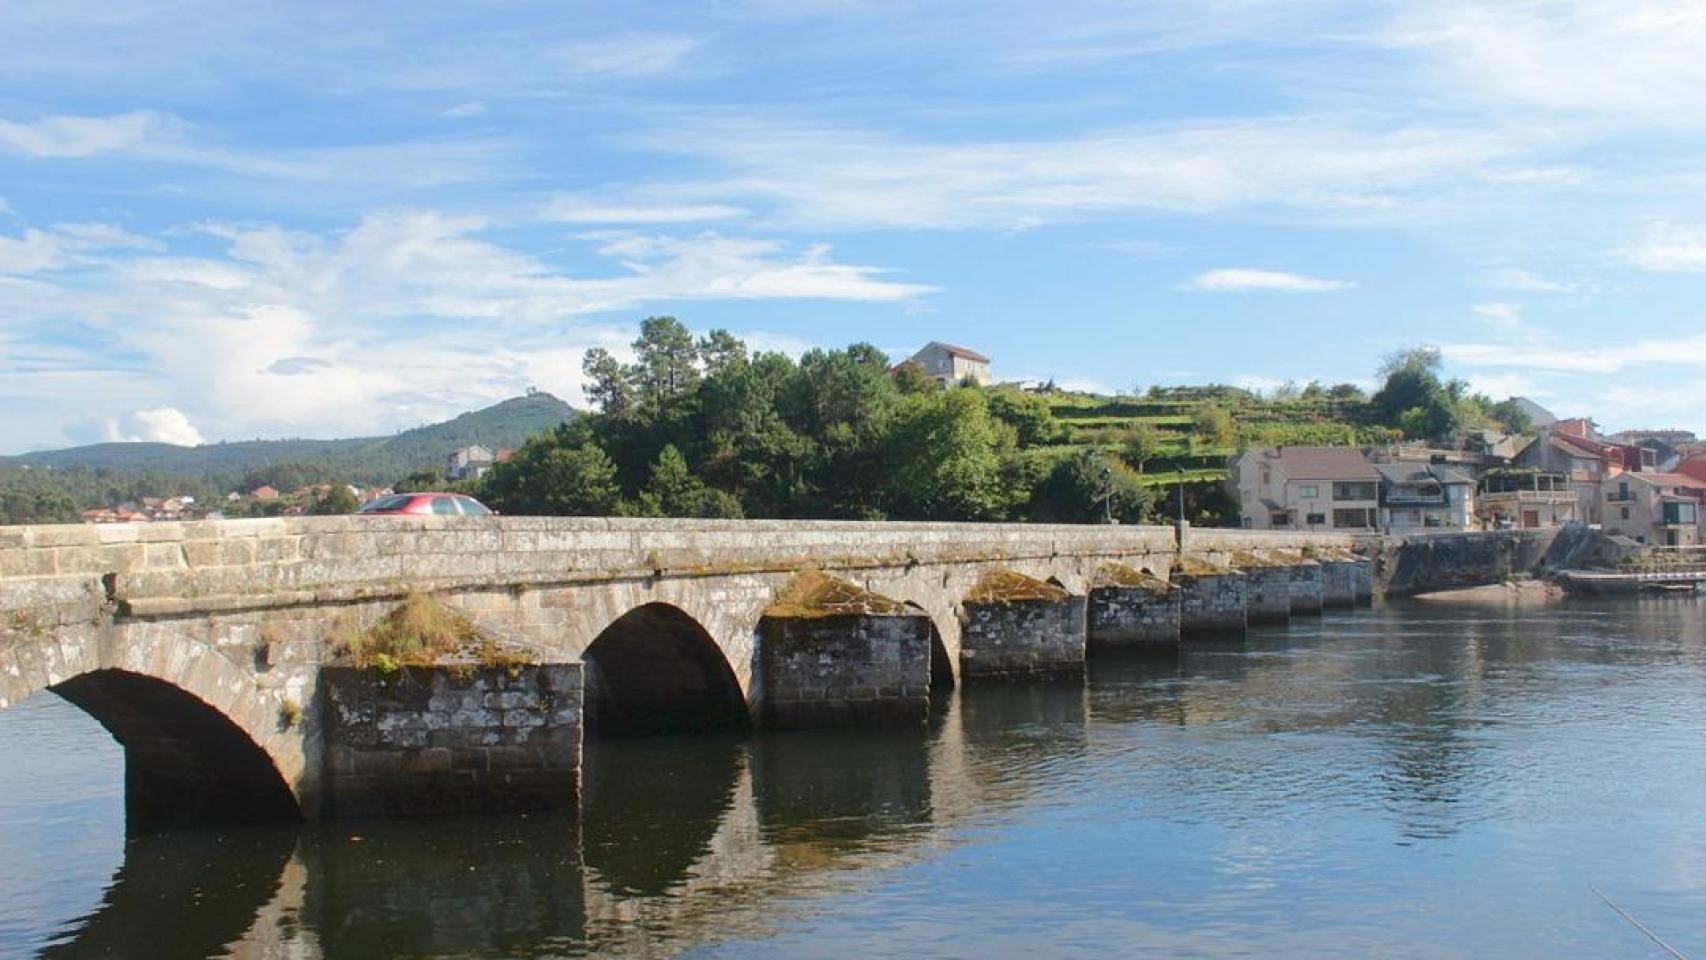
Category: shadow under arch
[185,762]
[211,884]
[656,670]
[941,665]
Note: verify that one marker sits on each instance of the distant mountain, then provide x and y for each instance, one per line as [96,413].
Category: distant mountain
[362,459]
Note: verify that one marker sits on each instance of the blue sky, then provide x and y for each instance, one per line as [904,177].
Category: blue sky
[222,222]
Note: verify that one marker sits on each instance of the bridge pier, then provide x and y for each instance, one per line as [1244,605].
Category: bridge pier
[1308,593]
[1131,608]
[456,738]
[1267,586]
[1015,626]
[1213,600]
[834,654]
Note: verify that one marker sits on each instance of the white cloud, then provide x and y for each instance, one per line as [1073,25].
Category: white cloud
[632,56]
[854,179]
[1238,280]
[1620,59]
[472,108]
[568,209]
[1502,385]
[1669,248]
[156,425]
[165,139]
[1527,281]
[62,137]
[1680,351]
[64,245]
[1257,383]
[1507,313]
[406,317]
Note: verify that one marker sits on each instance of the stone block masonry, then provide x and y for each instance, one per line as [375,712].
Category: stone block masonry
[846,670]
[1339,582]
[1307,587]
[1131,609]
[1015,626]
[1267,587]
[1212,600]
[835,654]
[452,739]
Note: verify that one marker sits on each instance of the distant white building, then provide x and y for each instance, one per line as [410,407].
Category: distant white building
[950,364]
[470,463]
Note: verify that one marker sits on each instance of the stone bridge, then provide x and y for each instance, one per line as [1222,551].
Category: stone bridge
[207,649]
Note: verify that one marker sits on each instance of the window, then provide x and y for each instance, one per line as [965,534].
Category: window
[1353,491]
[1354,519]
[472,508]
[394,502]
[1278,519]
[1309,491]
[445,507]
[1625,513]
[1317,519]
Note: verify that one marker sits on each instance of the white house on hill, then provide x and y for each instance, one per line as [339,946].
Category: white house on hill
[951,364]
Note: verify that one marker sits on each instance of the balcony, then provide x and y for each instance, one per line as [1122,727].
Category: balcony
[1528,496]
[1620,496]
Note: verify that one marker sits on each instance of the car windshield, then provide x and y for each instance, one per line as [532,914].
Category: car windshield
[472,507]
[393,502]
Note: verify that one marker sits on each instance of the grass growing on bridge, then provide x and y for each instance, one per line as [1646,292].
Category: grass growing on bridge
[422,632]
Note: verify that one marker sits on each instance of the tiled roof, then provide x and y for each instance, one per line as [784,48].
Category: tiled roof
[1324,463]
[960,351]
[1666,479]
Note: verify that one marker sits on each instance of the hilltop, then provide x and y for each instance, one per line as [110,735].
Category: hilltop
[376,459]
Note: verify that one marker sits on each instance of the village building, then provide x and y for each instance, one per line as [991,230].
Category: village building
[949,364]
[1425,496]
[1306,488]
[1655,508]
[1525,499]
[470,463]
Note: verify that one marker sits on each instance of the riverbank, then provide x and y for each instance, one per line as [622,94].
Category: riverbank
[1520,592]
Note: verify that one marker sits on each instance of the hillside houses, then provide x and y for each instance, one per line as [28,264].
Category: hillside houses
[1566,472]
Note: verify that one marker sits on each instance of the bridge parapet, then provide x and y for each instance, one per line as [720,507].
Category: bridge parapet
[171,568]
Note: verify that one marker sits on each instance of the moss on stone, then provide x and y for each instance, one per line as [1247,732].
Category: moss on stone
[1257,560]
[1008,586]
[1190,566]
[421,632]
[1120,575]
[815,594]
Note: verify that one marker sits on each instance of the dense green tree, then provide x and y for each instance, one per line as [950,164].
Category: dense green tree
[1091,487]
[1412,396]
[549,476]
[666,360]
[607,383]
[337,499]
[943,456]
[909,377]
[421,480]
[1142,442]
[719,349]
[1214,425]
[674,491]
[1028,413]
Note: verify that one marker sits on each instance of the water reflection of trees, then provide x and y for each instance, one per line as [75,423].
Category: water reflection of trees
[686,840]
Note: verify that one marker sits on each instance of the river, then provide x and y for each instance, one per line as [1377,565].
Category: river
[1401,782]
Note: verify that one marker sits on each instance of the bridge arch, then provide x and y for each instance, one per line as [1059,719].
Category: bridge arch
[656,669]
[201,742]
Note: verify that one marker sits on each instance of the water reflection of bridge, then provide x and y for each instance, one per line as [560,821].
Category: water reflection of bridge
[687,841]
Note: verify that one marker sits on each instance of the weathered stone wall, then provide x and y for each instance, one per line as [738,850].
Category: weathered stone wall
[1339,583]
[1211,604]
[1023,638]
[1425,563]
[452,739]
[845,670]
[1126,617]
[1267,589]
[1307,588]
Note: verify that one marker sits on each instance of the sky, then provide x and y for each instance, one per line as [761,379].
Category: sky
[225,221]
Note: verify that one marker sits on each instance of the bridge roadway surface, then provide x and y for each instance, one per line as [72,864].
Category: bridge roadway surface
[201,646]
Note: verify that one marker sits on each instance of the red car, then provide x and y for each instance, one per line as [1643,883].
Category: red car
[425,505]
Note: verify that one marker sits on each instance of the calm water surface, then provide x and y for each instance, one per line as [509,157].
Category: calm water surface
[1409,782]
